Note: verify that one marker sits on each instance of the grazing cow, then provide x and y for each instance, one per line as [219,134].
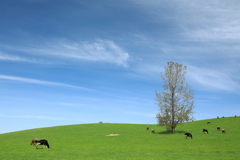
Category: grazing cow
[147,128]
[153,131]
[208,122]
[40,142]
[188,135]
[205,131]
[223,131]
[218,128]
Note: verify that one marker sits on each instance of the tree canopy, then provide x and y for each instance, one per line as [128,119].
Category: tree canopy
[176,100]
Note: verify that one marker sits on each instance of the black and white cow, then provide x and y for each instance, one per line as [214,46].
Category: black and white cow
[205,131]
[40,142]
[189,135]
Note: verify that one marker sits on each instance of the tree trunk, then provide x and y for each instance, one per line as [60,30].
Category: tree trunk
[173,114]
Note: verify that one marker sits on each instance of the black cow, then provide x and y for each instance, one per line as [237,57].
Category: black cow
[223,131]
[205,131]
[188,135]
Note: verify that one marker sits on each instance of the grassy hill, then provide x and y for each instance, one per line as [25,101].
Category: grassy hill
[89,141]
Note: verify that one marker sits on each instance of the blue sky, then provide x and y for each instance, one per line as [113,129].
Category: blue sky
[74,62]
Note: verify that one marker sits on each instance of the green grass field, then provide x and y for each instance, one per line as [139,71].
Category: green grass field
[89,141]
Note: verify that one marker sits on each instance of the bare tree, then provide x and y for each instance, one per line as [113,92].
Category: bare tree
[176,100]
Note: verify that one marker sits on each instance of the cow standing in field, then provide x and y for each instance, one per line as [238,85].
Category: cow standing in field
[205,131]
[218,128]
[153,131]
[189,135]
[147,128]
[40,142]
[208,122]
[223,131]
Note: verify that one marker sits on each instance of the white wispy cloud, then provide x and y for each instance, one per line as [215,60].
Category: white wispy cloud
[147,70]
[40,82]
[207,40]
[212,79]
[210,21]
[96,51]
[16,58]
[202,20]
[100,50]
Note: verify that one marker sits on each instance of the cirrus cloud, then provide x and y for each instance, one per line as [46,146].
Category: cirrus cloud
[101,50]
[97,51]
[40,82]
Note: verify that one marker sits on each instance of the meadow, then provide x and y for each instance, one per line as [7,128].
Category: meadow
[90,141]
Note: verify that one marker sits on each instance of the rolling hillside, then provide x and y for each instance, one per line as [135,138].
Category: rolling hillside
[90,141]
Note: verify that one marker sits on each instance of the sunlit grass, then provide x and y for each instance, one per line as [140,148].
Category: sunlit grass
[89,141]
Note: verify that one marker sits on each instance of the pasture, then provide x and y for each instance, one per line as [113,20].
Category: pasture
[90,141]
